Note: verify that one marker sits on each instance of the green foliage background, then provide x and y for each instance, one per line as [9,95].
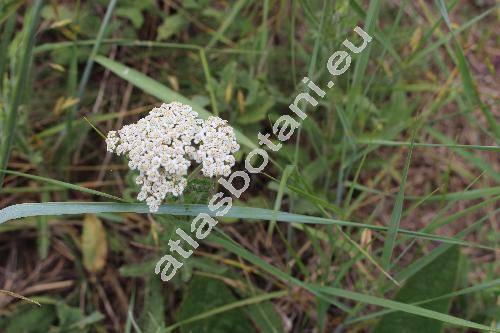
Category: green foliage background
[381,214]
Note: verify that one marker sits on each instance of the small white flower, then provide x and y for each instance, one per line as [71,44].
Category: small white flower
[162,145]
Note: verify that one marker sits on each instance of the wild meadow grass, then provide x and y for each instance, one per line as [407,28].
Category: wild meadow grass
[379,215]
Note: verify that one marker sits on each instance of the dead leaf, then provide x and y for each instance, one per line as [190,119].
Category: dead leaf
[94,245]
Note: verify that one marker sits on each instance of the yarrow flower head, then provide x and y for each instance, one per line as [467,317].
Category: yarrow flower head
[162,146]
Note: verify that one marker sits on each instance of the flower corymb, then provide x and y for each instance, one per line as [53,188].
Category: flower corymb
[162,145]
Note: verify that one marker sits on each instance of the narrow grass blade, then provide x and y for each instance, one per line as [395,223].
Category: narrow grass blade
[63,184]
[315,199]
[279,196]
[43,240]
[417,57]
[423,144]
[101,134]
[226,23]
[435,224]
[130,315]
[390,239]
[461,292]
[9,127]
[398,306]
[137,43]
[368,256]
[362,61]
[227,307]
[95,49]
[467,195]
[355,180]
[452,196]
[53,130]
[12,294]
[418,264]
[208,78]
[476,160]
[70,131]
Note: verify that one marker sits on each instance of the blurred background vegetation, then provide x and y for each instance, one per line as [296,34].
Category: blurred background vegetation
[407,139]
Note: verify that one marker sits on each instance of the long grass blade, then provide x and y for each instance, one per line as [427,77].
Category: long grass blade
[398,306]
[10,125]
[249,213]
[390,239]
[62,184]
[461,292]
[228,307]
[423,144]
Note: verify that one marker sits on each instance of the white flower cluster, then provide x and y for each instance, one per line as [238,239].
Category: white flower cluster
[162,145]
[217,143]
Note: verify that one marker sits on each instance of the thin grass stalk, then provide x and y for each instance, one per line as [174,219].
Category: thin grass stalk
[90,62]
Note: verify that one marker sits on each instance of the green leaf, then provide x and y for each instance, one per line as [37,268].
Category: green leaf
[198,191]
[437,278]
[255,114]
[204,294]
[265,316]
[132,13]
[171,26]
[153,315]
[138,269]
[36,320]
[67,315]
